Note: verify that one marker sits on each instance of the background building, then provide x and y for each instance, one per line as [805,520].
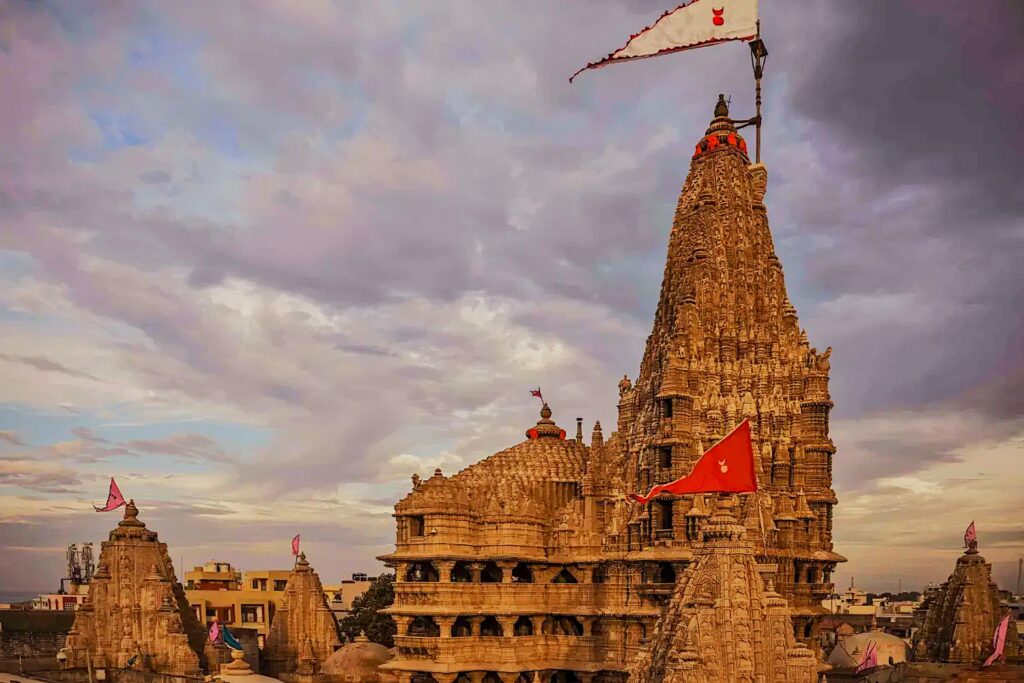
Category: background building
[340,595]
[241,600]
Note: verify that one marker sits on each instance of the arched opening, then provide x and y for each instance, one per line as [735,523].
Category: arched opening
[666,574]
[522,573]
[564,576]
[808,629]
[461,573]
[491,677]
[564,677]
[562,626]
[490,574]
[490,627]
[423,677]
[424,626]
[463,678]
[523,627]
[812,575]
[462,627]
[421,572]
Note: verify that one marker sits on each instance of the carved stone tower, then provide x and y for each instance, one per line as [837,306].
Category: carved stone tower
[137,615]
[304,632]
[962,616]
[724,623]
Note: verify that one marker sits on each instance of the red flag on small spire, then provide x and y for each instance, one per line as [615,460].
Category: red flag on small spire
[114,499]
[536,392]
[970,536]
[295,545]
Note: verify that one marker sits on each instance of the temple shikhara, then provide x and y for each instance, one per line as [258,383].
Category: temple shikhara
[533,565]
[137,615]
[304,633]
[962,614]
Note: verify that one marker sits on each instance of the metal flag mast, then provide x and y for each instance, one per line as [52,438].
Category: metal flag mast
[758,57]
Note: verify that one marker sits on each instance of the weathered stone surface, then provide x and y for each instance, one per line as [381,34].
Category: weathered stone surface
[540,539]
[136,608]
[963,614]
[723,624]
[304,632]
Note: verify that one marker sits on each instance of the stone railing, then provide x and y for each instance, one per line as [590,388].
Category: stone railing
[538,652]
[501,598]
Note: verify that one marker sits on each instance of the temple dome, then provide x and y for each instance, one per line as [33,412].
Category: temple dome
[848,651]
[359,662]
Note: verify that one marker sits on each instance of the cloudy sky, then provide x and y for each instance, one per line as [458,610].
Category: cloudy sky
[263,261]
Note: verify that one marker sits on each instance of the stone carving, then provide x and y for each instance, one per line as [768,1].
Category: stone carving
[547,521]
[963,614]
[137,615]
[304,631]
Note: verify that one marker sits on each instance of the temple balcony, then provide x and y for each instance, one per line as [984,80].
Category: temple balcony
[582,653]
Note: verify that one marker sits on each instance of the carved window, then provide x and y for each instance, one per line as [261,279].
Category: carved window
[491,573]
[461,573]
[666,574]
[522,573]
[490,627]
[666,408]
[462,628]
[424,627]
[252,614]
[416,525]
[665,457]
[664,514]
[523,627]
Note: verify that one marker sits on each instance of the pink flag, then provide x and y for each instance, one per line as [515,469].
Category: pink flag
[214,631]
[970,536]
[536,392]
[998,641]
[295,545]
[114,498]
[870,659]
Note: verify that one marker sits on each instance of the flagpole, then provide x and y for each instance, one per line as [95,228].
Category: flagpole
[758,57]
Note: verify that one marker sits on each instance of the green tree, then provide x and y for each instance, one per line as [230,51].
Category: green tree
[366,614]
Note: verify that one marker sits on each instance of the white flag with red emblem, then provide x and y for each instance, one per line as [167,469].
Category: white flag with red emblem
[694,24]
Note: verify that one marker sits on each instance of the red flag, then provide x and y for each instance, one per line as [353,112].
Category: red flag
[536,392]
[970,536]
[214,631]
[870,659]
[998,641]
[295,545]
[726,467]
[114,498]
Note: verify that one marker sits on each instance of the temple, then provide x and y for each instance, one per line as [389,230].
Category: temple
[532,565]
[963,614]
[137,616]
[304,632]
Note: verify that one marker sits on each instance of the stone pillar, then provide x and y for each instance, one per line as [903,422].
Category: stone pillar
[445,624]
[506,570]
[474,625]
[508,626]
[404,676]
[508,677]
[444,570]
[402,624]
[477,568]
[588,625]
[538,624]
[587,572]
[586,676]
[476,677]
[401,569]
